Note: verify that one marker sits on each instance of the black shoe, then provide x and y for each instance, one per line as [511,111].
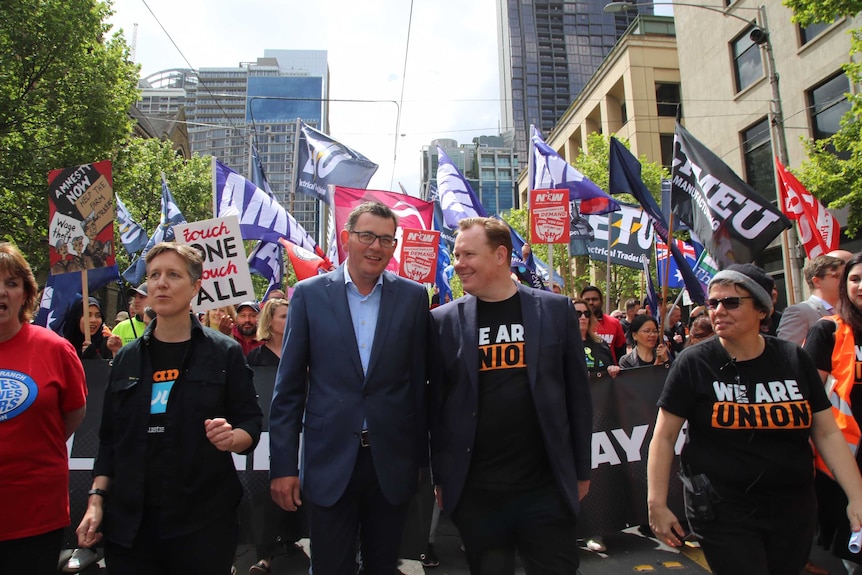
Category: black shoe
[429,558]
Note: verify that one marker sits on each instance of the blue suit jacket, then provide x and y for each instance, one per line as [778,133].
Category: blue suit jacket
[558,379]
[320,390]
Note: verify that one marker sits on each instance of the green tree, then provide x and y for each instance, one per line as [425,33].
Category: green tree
[138,169]
[834,166]
[64,98]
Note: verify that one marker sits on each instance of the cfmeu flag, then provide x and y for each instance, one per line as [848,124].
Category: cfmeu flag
[550,170]
[818,229]
[625,178]
[412,213]
[454,192]
[170,216]
[734,222]
[322,161]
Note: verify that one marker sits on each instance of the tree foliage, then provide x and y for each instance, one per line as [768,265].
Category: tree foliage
[64,98]
[806,12]
[138,169]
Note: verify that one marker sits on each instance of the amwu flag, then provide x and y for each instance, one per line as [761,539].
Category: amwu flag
[818,229]
[261,217]
[625,177]
[734,222]
[550,170]
[454,192]
[322,161]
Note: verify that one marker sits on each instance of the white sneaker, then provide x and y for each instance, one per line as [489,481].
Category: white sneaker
[81,559]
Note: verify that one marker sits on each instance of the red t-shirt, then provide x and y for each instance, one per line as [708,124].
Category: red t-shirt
[41,378]
[609,329]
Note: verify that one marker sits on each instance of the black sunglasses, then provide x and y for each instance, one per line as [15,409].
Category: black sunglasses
[579,313]
[731,302]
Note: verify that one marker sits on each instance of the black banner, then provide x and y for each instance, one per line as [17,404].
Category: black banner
[624,412]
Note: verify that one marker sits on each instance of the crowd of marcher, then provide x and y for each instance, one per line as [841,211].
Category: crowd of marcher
[490,391]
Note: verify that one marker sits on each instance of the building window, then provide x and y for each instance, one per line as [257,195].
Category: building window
[757,149]
[667,99]
[828,104]
[747,65]
[810,32]
[666,143]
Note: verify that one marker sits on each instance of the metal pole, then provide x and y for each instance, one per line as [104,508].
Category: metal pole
[776,127]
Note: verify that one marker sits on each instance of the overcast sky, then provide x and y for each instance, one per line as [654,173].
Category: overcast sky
[451,84]
[451,87]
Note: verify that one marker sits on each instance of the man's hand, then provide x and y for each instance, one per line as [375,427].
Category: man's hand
[115,343]
[285,492]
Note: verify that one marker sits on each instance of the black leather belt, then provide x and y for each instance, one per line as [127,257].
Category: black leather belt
[363,439]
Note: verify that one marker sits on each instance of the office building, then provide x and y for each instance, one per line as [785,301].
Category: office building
[487,163]
[259,102]
[548,50]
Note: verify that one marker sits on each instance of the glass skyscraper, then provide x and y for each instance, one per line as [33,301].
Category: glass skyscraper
[549,49]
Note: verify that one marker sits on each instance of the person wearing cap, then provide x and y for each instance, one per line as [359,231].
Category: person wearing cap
[245,328]
[753,402]
[131,329]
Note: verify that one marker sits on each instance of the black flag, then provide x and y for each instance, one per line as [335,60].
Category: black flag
[733,221]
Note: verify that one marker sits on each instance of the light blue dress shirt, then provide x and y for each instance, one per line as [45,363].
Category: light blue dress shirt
[364,310]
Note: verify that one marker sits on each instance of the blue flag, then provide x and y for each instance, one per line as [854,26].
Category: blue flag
[456,196]
[551,171]
[322,161]
[524,268]
[61,291]
[267,258]
[133,236]
[170,216]
[650,299]
[261,217]
[625,178]
[444,260]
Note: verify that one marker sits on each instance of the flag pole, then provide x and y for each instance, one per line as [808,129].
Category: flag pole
[666,278]
[296,168]
[85,301]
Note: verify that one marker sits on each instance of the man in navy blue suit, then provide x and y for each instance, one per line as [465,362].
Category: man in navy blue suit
[352,379]
[511,412]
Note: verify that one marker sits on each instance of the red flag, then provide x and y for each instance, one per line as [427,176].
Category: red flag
[412,213]
[306,264]
[818,229]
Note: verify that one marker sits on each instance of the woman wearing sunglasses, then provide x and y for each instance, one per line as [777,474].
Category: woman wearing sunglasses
[752,403]
[647,349]
[598,354]
[834,345]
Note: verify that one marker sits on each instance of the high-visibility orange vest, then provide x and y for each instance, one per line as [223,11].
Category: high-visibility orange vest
[839,384]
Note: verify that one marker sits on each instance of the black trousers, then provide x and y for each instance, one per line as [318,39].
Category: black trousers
[37,555]
[767,535]
[537,523]
[361,511]
[210,550]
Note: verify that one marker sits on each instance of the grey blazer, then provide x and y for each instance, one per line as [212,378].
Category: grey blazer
[798,318]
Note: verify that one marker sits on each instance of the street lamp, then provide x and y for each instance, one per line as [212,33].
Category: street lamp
[759,35]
